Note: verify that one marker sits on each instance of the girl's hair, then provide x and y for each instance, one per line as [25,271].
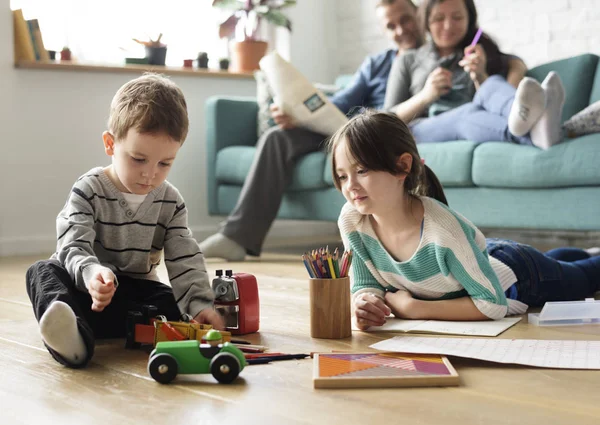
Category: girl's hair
[375,140]
[497,62]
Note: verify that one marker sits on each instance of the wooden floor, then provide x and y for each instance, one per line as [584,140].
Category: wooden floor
[116,388]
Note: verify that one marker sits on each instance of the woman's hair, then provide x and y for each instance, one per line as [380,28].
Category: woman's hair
[376,140]
[497,62]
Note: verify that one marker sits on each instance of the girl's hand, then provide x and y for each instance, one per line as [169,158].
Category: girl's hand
[101,288]
[370,310]
[438,83]
[475,63]
[212,317]
[284,121]
[401,303]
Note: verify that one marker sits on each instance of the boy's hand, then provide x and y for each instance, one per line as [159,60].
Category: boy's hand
[284,121]
[370,310]
[401,304]
[210,316]
[101,288]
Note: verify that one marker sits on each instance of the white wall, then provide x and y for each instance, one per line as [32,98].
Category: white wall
[537,30]
[51,124]
[313,42]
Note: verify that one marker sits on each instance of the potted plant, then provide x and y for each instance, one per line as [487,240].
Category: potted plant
[65,54]
[156,52]
[203,60]
[224,64]
[245,18]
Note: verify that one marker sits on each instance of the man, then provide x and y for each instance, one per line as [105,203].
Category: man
[280,147]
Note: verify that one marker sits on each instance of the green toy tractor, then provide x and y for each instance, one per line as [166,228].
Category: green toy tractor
[223,361]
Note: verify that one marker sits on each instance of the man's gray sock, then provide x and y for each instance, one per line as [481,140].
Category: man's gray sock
[219,245]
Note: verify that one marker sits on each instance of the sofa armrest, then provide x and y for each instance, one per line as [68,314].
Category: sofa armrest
[230,121]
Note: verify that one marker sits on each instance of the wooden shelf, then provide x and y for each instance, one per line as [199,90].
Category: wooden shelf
[135,69]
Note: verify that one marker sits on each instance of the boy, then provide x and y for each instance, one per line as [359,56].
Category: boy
[114,227]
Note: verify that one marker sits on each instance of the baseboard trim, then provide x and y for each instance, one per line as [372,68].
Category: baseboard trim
[294,232]
[283,233]
[27,245]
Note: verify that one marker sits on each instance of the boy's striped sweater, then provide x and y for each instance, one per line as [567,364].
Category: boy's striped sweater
[97,227]
[450,262]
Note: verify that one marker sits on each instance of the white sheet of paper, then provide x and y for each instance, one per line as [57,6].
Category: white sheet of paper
[541,353]
[482,328]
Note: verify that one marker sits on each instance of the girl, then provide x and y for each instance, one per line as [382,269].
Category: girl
[469,91]
[417,258]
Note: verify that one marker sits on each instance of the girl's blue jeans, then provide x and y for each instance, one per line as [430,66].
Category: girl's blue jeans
[562,274]
[485,119]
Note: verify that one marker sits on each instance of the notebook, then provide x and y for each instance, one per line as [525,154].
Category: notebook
[478,328]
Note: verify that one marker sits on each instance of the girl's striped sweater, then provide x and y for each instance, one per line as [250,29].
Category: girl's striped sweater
[451,261]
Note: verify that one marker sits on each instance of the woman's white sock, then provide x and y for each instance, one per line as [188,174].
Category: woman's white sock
[58,327]
[548,132]
[527,108]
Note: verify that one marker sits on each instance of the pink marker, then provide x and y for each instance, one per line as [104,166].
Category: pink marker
[477,37]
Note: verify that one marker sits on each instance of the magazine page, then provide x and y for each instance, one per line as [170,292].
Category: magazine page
[299,98]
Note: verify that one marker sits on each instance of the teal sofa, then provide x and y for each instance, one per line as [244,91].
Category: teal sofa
[495,184]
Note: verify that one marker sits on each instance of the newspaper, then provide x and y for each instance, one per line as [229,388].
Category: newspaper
[299,98]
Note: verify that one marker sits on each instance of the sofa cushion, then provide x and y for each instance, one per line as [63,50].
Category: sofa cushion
[595,95]
[328,175]
[450,161]
[577,74]
[571,163]
[233,165]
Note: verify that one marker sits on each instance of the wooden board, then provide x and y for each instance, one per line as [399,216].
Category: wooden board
[382,370]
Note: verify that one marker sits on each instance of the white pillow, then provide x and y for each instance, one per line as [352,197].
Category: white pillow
[586,121]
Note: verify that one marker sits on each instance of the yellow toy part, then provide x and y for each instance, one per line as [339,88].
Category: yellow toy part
[173,331]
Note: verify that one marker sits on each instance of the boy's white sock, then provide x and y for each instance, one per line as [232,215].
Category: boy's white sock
[547,132]
[527,108]
[219,245]
[58,327]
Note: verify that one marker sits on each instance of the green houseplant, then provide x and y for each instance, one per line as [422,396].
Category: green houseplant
[245,17]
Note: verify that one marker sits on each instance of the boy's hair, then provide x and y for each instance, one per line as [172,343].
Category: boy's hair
[149,104]
[376,140]
[497,62]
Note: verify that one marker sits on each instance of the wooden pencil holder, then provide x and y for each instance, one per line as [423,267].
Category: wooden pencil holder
[330,308]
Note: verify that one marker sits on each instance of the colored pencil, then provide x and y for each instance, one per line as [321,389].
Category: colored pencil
[321,264]
[267,359]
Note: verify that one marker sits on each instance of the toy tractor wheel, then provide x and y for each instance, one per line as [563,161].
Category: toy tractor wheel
[163,368]
[225,368]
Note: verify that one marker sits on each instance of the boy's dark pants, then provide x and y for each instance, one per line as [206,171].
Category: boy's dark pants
[47,281]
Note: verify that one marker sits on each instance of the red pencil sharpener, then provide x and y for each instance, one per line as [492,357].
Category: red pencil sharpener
[236,299]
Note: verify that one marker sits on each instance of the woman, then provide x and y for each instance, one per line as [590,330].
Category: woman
[468,92]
